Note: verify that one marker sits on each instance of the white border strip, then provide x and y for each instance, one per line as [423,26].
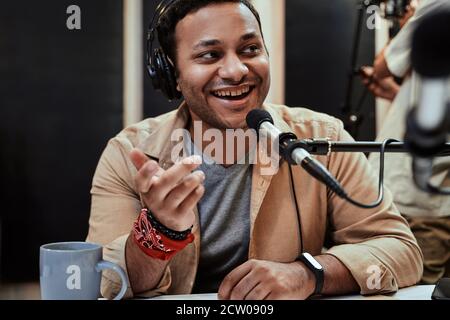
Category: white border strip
[273,19]
[133,57]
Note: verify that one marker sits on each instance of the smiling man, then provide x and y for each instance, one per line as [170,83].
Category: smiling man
[181,227]
[222,96]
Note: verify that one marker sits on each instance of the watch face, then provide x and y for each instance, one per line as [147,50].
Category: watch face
[313,261]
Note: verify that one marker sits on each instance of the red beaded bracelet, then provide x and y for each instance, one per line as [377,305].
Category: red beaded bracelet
[153,243]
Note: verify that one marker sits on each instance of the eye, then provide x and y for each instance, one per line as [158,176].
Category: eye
[210,55]
[252,49]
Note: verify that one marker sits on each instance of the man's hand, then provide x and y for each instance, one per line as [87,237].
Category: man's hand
[380,67]
[170,195]
[410,10]
[259,279]
[386,88]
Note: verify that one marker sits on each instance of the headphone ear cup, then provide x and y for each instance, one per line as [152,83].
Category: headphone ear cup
[153,76]
[163,75]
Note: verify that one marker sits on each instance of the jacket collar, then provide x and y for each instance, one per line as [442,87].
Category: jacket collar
[160,145]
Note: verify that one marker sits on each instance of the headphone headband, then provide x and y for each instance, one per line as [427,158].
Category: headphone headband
[159,12]
[160,69]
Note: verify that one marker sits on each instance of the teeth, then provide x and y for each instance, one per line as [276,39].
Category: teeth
[233,93]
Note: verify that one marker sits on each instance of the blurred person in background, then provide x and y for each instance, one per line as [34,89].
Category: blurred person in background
[392,78]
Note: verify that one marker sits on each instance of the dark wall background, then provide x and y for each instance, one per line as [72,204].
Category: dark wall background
[319,37]
[60,101]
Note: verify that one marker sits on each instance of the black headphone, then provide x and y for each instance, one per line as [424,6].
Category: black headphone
[159,67]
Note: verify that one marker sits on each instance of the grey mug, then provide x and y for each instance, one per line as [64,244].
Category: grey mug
[72,271]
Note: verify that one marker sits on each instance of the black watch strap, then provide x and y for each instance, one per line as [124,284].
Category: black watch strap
[171,234]
[313,265]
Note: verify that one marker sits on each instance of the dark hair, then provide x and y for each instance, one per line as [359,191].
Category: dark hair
[180,9]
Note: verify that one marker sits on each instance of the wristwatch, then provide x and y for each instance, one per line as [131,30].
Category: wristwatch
[313,265]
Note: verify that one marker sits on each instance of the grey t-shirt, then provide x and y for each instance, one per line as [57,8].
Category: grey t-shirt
[224,212]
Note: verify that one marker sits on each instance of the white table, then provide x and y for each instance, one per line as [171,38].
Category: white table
[410,293]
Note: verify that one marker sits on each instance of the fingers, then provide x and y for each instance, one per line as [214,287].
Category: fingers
[367,71]
[245,286]
[367,75]
[190,202]
[170,178]
[383,89]
[232,279]
[138,158]
[380,68]
[386,89]
[190,183]
[144,176]
[246,282]
[260,292]
[146,170]
[377,91]
[171,195]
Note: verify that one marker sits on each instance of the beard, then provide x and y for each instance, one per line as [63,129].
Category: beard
[199,107]
[208,116]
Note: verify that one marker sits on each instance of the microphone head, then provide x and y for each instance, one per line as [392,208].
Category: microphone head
[430,55]
[256,117]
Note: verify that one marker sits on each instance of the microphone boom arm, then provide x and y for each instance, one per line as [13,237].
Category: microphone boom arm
[324,147]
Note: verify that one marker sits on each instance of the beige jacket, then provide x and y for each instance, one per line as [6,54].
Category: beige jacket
[361,239]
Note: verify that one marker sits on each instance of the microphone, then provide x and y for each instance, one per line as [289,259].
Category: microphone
[428,123]
[292,150]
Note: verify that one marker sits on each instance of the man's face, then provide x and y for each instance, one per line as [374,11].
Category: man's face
[223,67]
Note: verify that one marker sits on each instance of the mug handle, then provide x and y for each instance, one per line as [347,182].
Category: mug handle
[102,265]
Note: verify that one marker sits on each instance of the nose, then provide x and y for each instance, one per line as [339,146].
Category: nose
[233,69]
